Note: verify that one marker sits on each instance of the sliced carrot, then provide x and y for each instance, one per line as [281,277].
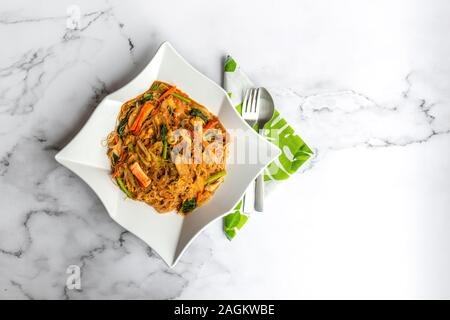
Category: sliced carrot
[143,114]
[115,173]
[133,126]
[136,119]
[143,179]
[168,92]
[210,124]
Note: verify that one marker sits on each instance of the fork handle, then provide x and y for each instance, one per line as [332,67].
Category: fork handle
[259,189]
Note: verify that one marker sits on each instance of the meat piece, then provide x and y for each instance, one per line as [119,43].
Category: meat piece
[140,175]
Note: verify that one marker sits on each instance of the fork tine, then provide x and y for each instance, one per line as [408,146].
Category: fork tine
[250,100]
[258,100]
[258,95]
[245,103]
[254,100]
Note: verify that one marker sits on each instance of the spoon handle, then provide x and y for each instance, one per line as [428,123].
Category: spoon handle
[259,193]
[259,190]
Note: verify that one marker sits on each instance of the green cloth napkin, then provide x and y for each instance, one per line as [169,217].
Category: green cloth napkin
[295,152]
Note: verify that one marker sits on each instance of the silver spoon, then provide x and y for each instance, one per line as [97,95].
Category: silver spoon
[266,110]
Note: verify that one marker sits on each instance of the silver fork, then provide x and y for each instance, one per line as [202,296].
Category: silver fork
[250,113]
[250,106]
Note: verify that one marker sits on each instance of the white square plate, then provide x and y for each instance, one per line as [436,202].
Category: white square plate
[168,234]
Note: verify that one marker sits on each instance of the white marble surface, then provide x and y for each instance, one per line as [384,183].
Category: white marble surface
[365,82]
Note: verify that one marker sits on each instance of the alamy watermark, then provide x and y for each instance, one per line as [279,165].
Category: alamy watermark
[73,281]
[213,146]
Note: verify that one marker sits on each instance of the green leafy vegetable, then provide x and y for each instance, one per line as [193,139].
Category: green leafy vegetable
[176,95]
[189,205]
[123,187]
[165,147]
[115,158]
[164,140]
[216,176]
[123,123]
[198,113]
[146,97]
[154,86]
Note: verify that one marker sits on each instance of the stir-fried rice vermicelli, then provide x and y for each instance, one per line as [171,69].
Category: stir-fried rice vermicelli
[167,150]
